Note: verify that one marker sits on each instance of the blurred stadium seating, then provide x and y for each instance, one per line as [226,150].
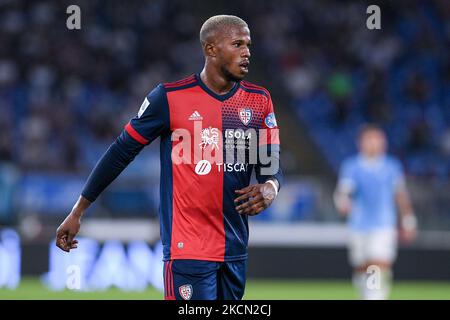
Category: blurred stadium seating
[66,95]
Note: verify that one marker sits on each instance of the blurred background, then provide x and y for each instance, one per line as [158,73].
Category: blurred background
[65,95]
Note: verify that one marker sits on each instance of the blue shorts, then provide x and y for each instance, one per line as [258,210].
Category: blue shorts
[204,280]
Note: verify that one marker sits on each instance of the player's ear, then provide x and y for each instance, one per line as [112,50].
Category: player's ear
[210,50]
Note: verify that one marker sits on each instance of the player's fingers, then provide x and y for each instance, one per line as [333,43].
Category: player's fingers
[62,245]
[252,193]
[70,239]
[244,190]
[60,240]
[245,204]
[255,196]
[61,236]
[258,208]
[60,233]
[243,197]
[251,205]
[253,200]
[257,211]
[59,243]
[254,209]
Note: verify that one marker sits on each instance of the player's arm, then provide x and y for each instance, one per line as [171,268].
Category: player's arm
[151,121]
[342,196]
[269,175]
[407,218]
[110,165]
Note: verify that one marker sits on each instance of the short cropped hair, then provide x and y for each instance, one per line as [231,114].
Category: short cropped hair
[218,22]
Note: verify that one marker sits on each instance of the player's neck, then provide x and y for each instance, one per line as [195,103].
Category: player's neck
[216,82]
[372,158]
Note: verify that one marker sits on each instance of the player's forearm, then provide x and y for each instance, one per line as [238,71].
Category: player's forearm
[80,207]
[271,168]
[342,201]
[404,204]
[408,219]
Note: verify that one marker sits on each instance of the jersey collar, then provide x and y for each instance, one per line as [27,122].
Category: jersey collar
[372,163]
[220,97]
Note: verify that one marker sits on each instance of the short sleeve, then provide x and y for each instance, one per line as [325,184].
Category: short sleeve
[271,133]
[398,175]
[347,178]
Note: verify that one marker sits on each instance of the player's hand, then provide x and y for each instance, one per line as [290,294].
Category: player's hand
[407,236]
[408,228]
[257,198]
[345,209]
[67,231]
[343,204]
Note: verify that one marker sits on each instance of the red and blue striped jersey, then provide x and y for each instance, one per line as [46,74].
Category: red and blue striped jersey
[200,132]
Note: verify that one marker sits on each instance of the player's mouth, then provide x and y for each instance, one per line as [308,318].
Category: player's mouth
[244,66]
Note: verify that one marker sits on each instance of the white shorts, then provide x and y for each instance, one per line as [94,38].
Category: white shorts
[380,245]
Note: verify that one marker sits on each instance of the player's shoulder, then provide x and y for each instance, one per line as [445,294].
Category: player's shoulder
[158,93]
[351,161]
[251,87]
[181,84]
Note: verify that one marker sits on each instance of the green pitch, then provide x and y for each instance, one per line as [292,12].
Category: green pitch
[31,288]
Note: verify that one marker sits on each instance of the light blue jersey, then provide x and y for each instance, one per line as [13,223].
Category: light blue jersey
[373,184]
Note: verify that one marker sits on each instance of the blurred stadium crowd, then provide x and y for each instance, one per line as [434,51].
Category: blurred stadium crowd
[65,95]
[342,75]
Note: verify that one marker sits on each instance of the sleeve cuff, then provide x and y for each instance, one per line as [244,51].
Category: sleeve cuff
[274,186]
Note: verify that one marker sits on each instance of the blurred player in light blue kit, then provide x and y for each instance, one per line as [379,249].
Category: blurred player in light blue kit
[370,188]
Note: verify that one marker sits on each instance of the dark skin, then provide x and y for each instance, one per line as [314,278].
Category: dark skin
[227,57]
[69,228]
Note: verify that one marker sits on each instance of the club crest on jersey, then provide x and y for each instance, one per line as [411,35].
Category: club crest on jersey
[186,291]
[245,114]
[270,120]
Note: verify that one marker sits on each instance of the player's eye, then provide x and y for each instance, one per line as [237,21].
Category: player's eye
[237,44]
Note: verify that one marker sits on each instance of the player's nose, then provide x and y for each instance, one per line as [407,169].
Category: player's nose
[246,53]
